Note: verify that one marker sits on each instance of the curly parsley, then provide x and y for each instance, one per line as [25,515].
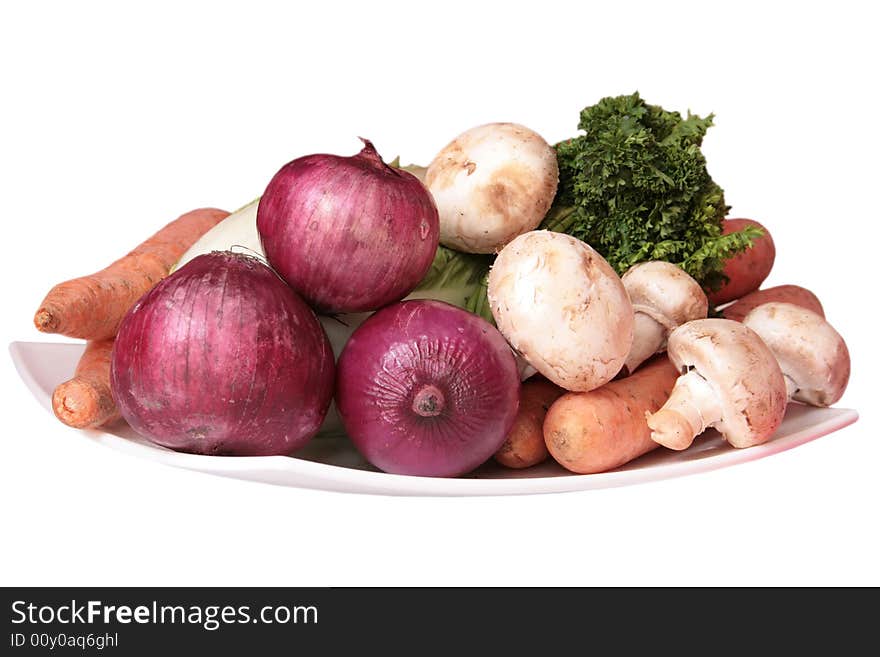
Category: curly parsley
[635,187]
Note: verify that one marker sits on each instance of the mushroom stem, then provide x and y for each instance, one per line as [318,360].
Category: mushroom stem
[648,337]
[692,407]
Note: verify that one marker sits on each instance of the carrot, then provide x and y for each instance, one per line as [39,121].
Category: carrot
[746,270]
[595,431]
[799,296]
[525,446]
[85,401]
[91,307]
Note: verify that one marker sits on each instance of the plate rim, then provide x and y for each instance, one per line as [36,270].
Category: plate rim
[331,477]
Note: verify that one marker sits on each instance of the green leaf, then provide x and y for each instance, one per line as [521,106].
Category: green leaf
[458,278]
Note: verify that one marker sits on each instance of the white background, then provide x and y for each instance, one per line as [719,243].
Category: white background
[114,120]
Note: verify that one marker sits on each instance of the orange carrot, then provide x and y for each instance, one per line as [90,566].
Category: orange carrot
[799,296]
[525,446]
[91,307]
[595,431]
[85,401]
[746,270]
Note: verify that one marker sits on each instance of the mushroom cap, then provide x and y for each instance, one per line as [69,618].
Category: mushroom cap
[665,292]
[810,352]
[563,308]
[741,369]
[490,184]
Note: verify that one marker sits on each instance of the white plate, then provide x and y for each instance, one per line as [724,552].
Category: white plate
[333,464]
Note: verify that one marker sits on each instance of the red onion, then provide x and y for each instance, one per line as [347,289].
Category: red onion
[350,234]
[425,388]
[221,357]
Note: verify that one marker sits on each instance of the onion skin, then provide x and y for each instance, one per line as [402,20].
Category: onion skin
[350,234]
[223,358]
[425,388]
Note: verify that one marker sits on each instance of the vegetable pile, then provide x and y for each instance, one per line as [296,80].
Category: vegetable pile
[585,302]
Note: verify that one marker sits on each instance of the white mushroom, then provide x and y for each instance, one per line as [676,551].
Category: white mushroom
[563,308]
[812,355]
[664,297]
[730,381]
[490,184]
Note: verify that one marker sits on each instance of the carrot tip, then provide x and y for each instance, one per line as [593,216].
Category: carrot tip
[76,404]
[45,321]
